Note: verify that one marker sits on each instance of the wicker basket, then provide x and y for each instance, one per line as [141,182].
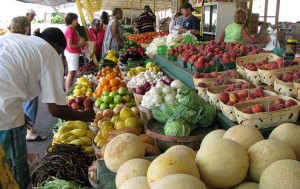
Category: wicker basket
[266,119]
[213,94]
[284,88]
[228,111]
[93,129]
[144,112]
[268,76]
[297,89]
[96,109]
[130,87]
[253,77]
[96,149]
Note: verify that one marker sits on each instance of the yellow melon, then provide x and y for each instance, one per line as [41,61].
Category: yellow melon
[122,148]
[171,163]
[223,163]
[247,185]
[140,182]
[131,168]
[244,135]
[212,136]
[290,134]
[179,181]
[282,174]
[264,153]
[183,149]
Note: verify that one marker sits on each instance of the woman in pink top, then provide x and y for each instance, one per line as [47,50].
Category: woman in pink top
[73,49]
[97,34]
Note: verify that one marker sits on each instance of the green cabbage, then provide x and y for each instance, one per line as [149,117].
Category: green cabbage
[208,115]
[189,98]
[177,127]
[163,112]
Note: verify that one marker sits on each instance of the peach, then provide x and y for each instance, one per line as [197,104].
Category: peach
[287,77]
[240,83]
[271,108]
[274,67]
[248,111]
[213,84]
[242,94]
[241,99]
[246,86]
[279,106]
[290,103]
[278,101]
[233,97]
[224,97]
[202,85]
[249,98]
[257,108]
[230,103]
[259,93]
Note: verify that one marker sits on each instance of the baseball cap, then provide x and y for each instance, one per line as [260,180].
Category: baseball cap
[30,11]
[186,6]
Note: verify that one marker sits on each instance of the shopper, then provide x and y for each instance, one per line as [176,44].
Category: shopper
[29,67]
[73,49]
[113,38]
[176,22]
[145,22]
[237,32]
[21,25]
[191,24]
[104,19]
[30,14]
[97,33]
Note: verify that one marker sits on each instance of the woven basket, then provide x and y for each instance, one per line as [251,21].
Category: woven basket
[297,89]
[284,88]
[213,94]
[253,77]
[96,109]
[144,112]
[96,149]
[268,76]
[130,87]
[228,111]
[266,119]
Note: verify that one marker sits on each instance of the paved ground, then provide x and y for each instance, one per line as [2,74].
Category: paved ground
[44,123]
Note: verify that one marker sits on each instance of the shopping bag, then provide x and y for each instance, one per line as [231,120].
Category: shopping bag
[90,49]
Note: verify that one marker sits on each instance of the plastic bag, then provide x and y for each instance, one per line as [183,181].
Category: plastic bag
[273,43]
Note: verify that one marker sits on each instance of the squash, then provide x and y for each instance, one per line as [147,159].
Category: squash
[212,136]
[247,185]
[290,134]
[130,169]
[281,174]
[183,149]
[171,163]
[264,153]
[122,148]
[179,181]
[136,183]
[223,163]
[245,135]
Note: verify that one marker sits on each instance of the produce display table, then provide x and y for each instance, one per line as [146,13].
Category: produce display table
[173,70]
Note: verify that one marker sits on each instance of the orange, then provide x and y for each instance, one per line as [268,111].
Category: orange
[108,67]
[122,84]
[116,70]
[114,88]
[114,82]
[110,76]
[104,82]
[107,88]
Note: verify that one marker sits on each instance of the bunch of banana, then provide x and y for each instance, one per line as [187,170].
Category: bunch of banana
[82,87]
[111,55]
[152,67]
[135,71]
[77,133]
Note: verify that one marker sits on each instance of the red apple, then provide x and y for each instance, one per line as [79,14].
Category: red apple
[224,97]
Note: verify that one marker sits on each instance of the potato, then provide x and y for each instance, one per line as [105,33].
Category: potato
[147,139]
[151,150]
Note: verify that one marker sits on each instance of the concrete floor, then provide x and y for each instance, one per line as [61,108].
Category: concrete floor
[44,124]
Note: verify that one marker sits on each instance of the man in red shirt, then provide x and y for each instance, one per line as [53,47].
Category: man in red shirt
[97,34]
[145,22]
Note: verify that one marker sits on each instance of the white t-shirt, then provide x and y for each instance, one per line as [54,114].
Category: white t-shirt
[29,67]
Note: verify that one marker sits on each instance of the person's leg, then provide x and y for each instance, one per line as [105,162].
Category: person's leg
[70,79]
[13,142]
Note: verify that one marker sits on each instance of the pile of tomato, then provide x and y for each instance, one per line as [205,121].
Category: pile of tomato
[146,37]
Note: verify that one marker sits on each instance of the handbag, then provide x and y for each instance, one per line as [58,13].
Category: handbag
[90,49]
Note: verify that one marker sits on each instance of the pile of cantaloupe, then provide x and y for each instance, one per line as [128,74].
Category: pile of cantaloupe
[239,158]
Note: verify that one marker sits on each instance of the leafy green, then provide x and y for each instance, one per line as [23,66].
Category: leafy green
[176,127]
[189,98]
[208,116]
[59,124]
[163,112]
[56,183]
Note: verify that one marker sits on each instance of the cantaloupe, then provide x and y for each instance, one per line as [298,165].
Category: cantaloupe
[244,135]
[179,181]
[140,182]
[282,174]
[131,168]
[247,185]
[212,136]
[183,149]
[264,153]
[288,133]
[171,163]
[122,148]
[223,163]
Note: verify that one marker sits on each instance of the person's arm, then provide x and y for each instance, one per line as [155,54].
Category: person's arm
[114,30]
[222,35]
[66,113]
[191,31]
[249,39]
[74,46]
[153,15]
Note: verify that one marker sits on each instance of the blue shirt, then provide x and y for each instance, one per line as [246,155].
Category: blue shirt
[192,23]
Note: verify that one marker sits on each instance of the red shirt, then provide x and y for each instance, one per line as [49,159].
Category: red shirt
[99,37]
[71,33]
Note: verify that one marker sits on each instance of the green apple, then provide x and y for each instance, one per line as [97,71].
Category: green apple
[105,93]
[104,106]
[126,98]
[113,94]
[118,99]
[122,91]
[98,103]
[106,99]
[112,106]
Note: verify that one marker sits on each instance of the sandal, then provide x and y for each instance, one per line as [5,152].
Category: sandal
[37,139]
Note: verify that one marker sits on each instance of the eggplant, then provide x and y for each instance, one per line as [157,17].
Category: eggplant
[123,59]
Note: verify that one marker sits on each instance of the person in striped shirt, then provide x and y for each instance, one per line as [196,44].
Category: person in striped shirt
[145,22]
